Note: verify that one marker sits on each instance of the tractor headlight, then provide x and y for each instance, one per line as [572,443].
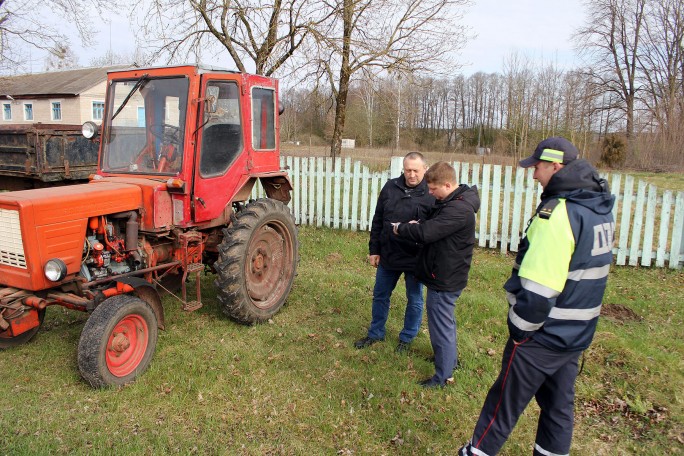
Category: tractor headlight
[89,130]
[55,270]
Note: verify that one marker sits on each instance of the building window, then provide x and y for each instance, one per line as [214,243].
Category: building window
[56,110]
[98,110]
[28,111]
[6,111]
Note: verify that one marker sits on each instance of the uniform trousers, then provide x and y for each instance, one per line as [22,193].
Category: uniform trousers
[528,370]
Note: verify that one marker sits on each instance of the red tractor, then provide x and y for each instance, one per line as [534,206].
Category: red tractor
[180,150]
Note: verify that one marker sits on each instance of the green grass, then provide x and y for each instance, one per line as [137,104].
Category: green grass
[297,386]
[664,181]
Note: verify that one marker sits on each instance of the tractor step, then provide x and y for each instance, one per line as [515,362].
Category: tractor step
[194,267]
[191,306]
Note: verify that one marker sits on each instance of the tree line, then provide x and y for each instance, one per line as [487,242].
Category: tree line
[380,71]
[624,106]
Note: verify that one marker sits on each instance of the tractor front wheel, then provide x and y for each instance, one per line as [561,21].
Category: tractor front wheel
[257,261]
[7,340]
[117,342]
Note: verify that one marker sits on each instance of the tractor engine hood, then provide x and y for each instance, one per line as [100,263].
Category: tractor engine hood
[39,225]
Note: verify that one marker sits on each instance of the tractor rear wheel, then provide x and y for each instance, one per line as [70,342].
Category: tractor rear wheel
[9,341]
[257,261]
[117,342]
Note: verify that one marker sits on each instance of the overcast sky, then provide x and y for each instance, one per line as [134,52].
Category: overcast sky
[538,29]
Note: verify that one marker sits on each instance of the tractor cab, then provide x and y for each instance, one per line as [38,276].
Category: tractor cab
[209,134]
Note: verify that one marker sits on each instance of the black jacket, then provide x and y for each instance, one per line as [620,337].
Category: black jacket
[398,203]
[448,238]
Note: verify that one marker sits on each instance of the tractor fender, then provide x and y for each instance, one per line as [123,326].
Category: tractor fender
[146,291]
[277,186]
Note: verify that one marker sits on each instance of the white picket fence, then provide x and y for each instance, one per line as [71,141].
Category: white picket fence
[342,194]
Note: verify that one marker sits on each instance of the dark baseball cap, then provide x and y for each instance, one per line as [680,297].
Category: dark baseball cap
[555,149]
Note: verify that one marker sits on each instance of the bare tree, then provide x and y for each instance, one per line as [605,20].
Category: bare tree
[610,42]
[32,25]
[367,94]
[400,36]
[258,36]
[62,57]
[114,58]
[662,64]
[518,80]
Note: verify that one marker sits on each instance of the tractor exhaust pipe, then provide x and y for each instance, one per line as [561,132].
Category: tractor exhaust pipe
[131,229]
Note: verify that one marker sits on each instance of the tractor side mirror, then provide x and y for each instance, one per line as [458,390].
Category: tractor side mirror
[211,102]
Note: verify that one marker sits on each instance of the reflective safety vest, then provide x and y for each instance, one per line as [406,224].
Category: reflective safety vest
[556,288]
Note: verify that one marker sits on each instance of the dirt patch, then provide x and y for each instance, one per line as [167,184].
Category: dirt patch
[618,413]
[620,313]
[333,258]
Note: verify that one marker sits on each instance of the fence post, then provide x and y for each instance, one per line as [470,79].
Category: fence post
[484,204]
[664,223]
[312,176]
[304,190]
[494,233]
[346,183]
[320,193]
[356,175]
[506,214]
[518,193]
[396,166]
[636,224]
[647,250]
[328,189]
[677,245]
[624,221]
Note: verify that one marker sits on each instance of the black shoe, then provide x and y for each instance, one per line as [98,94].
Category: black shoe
[365,342]
[402,347]
[430,383]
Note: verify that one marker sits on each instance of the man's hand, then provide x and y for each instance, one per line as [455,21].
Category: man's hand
[395,227]
[374,260]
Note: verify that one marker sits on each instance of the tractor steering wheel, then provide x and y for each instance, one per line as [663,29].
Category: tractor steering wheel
[169,134]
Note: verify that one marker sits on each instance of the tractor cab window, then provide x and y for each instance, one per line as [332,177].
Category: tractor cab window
[263,118]
[144,126]
[222,131]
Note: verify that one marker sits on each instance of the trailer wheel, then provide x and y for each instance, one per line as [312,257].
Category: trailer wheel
[117,342]
[257,261]
[9,341]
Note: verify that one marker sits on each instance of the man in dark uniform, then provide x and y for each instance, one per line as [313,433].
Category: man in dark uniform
[554,294]
[401,199]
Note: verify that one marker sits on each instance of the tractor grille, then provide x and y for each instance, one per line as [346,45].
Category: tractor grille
[11,247]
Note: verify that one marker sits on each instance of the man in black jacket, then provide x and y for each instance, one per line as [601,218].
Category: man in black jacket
[448,238]
[401,199]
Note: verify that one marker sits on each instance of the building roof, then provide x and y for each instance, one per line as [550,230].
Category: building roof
[55,83]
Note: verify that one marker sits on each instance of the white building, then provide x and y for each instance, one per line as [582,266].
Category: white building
[60,97]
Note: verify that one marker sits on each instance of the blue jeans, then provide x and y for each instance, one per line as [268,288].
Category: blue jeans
[385,281]
[442,327]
